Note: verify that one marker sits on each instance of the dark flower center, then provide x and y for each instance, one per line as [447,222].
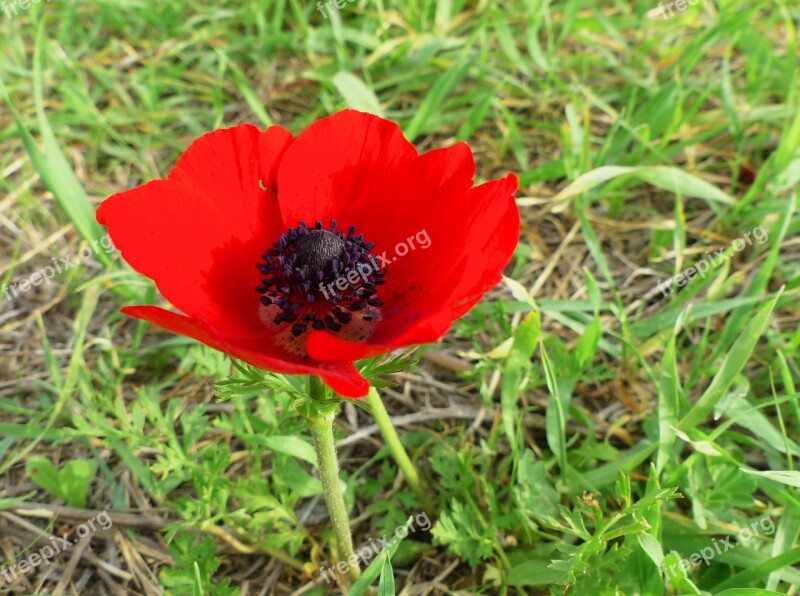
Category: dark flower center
[320,278]
[317,249]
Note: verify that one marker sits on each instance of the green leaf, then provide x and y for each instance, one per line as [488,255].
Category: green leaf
[290,445]
[534,572]
[519,292]
[43,474]
[556,416]
[788,477]
[652,547]
[386,584]
[672,179]
[9,502]
[534,494]
[607,473]
[72,483]
[291,474]
[586,346]
[516,370]
[733,364]
[356,94]
[669,396]
[75,479]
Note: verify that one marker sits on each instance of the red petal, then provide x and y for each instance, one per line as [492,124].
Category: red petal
[426,194]
[426,290]
[342,377]
[199,233]
[338,168]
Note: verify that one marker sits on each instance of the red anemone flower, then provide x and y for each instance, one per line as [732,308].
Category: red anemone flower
[302,255]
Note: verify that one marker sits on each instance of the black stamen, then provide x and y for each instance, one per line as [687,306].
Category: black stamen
[302,277]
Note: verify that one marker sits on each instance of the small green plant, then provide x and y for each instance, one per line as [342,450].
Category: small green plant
[71,483]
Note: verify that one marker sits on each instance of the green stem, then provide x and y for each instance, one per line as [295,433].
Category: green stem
[321,423]
[398,451]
